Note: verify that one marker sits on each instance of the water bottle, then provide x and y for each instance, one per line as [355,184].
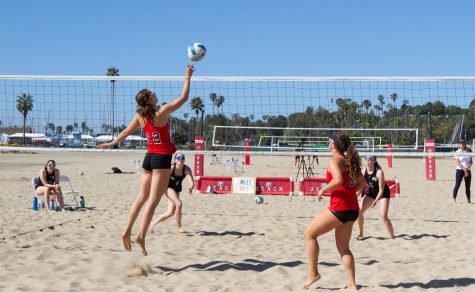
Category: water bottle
[51,205]
[82,202]
[35,204]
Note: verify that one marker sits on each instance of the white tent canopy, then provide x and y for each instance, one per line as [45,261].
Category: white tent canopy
[33,136]
[135,138]
[3,138]
[104,138]
[83,137]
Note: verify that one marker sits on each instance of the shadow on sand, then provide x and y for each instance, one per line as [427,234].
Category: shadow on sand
[407,236]
[245,265]
[449,283]
[225,233]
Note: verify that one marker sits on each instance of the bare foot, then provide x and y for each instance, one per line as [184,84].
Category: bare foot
[126,241]
[352,287]
[141,244]
[359,237]
[182,230]
[310,281]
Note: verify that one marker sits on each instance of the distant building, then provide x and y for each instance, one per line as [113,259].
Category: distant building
[13,130]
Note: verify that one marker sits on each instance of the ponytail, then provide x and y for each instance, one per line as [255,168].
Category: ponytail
[353,163]
[144,108]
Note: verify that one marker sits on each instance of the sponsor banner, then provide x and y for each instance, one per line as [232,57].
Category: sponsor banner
[310,186]
[274,186]
[199,158]
[244,185]
[214,184]
[429,146]
[394,188]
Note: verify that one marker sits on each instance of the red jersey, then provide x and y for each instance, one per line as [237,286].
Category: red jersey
[158,139]
[343,198]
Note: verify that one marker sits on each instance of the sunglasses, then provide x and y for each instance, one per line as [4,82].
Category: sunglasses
[180,158]
[52,165]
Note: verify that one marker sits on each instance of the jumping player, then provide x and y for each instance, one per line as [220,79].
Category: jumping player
[157,162]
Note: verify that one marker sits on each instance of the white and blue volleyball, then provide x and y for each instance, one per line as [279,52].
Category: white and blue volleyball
[196,52]
[259,199]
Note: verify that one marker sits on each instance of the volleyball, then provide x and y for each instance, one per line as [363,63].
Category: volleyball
[259,199]
[196,52]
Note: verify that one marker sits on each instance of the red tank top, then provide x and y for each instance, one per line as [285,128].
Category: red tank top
[158,139]
[343,198]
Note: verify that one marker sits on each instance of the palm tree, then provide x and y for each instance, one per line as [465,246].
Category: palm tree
[69,129]
[394,97]
[51,127]
[197,105]
[83,127]
[381,103]
[213,96]
[112,71]
[219,102]
[24,104]
[367,104]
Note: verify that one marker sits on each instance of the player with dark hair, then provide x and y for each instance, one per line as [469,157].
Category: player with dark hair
[344,181]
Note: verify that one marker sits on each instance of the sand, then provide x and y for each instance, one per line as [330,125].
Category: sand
[232,243]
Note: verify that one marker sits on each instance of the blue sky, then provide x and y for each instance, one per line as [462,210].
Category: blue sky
[243,38]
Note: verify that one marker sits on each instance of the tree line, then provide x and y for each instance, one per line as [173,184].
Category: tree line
[433,119]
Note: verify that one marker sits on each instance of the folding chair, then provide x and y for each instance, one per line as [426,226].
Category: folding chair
[236,165]
[215,159]
[68,194]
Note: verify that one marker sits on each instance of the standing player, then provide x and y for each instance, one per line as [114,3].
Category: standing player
[179,172]
[464,163]
[156,164]
[344,181]
[377,191]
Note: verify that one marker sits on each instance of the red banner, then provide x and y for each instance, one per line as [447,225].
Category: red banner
[199,158]
[390,158]
[310,186]
[429,146]
[247,158]
[394,188]
[214,184]
[274,186]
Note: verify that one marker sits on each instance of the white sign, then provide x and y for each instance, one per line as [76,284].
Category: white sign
[244,185]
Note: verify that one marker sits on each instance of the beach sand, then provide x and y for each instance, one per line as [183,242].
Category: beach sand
[232,243]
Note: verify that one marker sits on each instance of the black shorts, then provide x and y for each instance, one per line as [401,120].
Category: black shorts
[346,216]
[157,161]
[386,195]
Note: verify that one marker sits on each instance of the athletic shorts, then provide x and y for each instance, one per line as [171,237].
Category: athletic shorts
[346,216]
[157,161]
[386,195]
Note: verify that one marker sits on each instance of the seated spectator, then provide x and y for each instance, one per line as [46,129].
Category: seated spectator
[48,183]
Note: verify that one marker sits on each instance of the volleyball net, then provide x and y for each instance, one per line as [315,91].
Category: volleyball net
[277,114]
